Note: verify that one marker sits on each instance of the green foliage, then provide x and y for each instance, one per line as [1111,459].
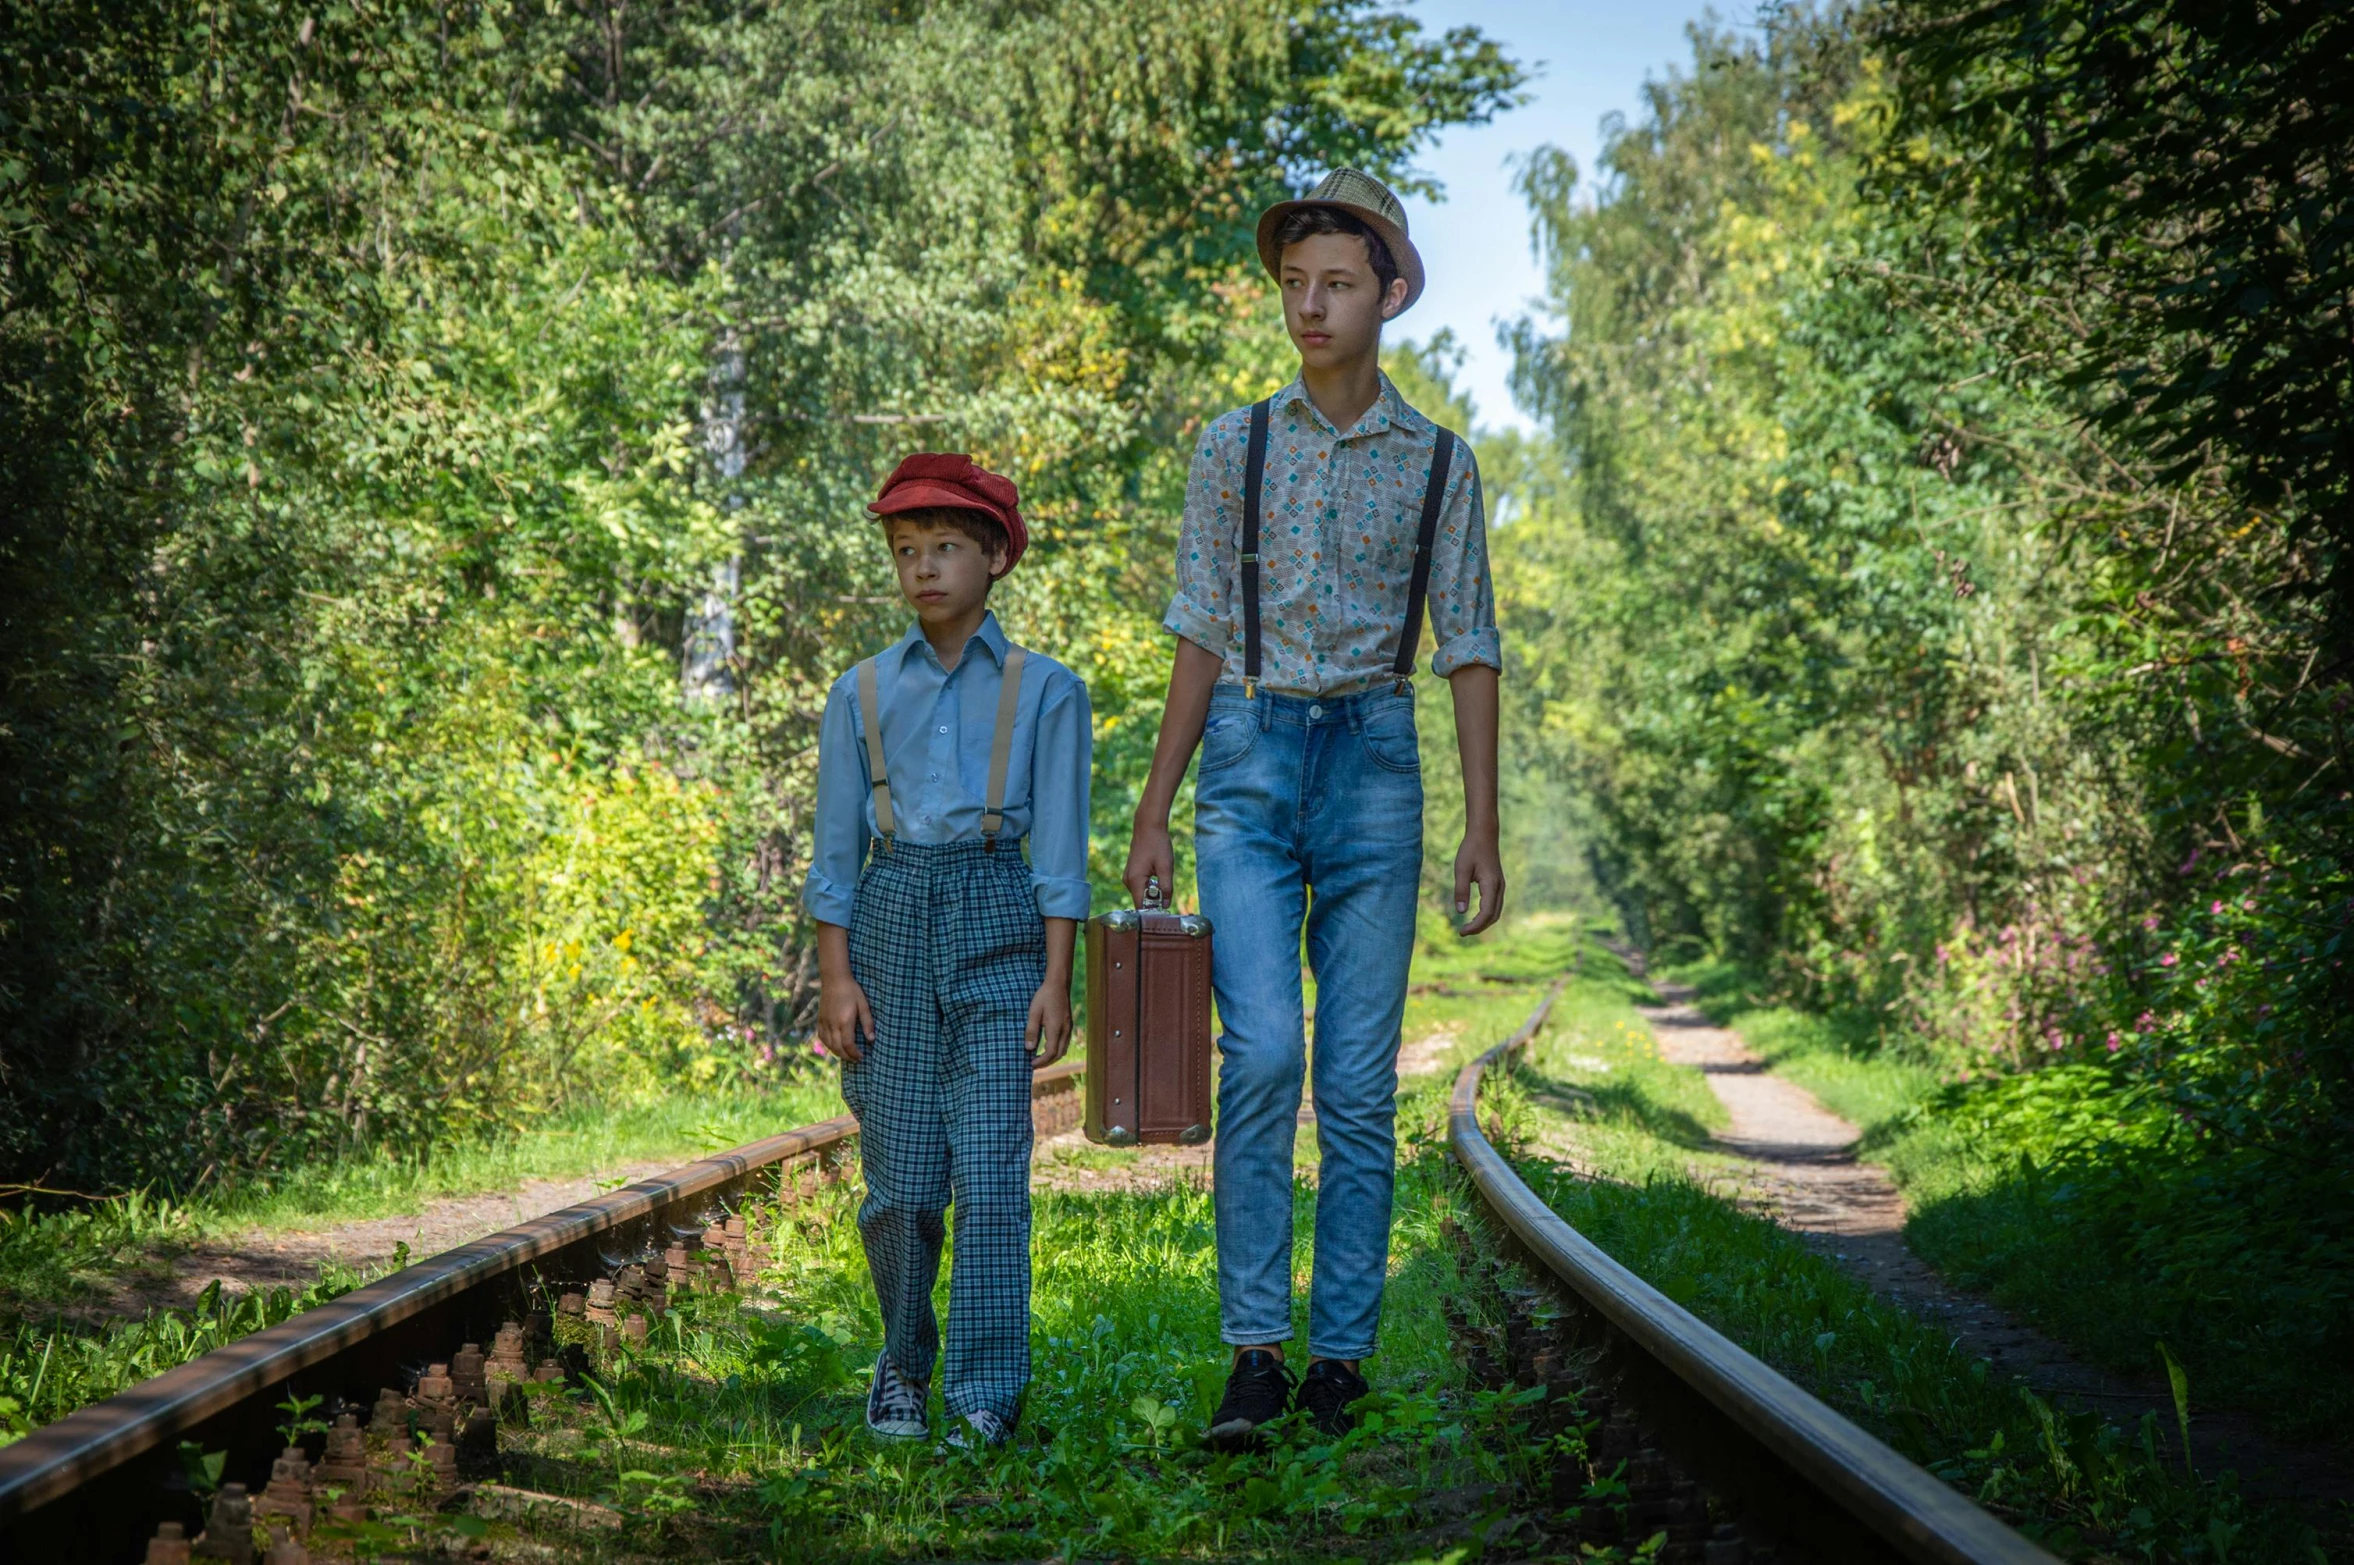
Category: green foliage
[2091,1197]
[1890,656]
[2175,177]
[1644,1189]
[47,1373]
[434,439]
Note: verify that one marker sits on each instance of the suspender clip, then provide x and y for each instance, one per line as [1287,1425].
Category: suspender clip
[1250,690]
[1403,687]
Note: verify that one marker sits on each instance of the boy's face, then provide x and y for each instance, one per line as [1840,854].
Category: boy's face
[943,574]
[1333,305]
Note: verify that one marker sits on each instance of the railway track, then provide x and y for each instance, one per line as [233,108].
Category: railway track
[1687,1406]
[1804,1479]
[95,1485]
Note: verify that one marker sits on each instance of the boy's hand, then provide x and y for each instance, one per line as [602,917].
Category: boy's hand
[1150,857]
[1049,1032]
[842,1015]
[1479,862]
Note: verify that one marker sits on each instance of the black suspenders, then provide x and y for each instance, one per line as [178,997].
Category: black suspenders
[1442,456]
[1434,490]
[1254,470]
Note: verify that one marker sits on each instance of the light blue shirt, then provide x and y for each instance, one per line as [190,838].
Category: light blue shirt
[938,726]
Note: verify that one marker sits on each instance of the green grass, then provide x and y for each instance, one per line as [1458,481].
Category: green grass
[64,1344]
[2069,1197]
[1857,1073]
[738,1433]
[587,1140]
[64,1258]
[2089,1488]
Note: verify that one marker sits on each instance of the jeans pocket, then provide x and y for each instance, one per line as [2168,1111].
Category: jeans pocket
[1389,737]
[1227,737]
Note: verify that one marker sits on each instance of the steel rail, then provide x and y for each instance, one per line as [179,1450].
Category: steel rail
[71,1479]
[1782,1433]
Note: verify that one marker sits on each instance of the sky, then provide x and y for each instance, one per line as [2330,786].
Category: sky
[1590,59]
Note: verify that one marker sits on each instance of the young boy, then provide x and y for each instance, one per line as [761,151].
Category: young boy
[945,963]
[1317,525]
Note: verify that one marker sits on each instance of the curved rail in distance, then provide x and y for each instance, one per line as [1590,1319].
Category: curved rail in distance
[99,1473]
[1907,1513]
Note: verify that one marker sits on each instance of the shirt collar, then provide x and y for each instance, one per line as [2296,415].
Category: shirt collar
[1390,410]
[990,635]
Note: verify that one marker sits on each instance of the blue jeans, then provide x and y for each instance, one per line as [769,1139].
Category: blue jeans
[1298,796]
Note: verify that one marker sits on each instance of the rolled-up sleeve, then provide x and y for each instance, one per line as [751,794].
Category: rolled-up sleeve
[1062,757]
[1462,595]
[1202,611]
[839,832]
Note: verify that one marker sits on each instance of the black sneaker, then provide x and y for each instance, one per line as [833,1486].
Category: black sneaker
[1326,1395]
[1258,1392]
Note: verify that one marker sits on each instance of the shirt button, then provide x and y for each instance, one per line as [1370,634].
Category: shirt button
[943,728]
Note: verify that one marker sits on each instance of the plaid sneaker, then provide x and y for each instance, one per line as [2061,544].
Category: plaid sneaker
[895,1404]
[981,1430]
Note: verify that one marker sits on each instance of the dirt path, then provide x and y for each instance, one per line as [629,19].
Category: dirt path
[292,1257]
[1799,1167]
[266,1258]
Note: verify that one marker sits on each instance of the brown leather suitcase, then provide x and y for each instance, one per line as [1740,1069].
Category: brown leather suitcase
[1148,1028]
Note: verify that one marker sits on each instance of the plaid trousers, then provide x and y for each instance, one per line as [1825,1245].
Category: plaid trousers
[947,942]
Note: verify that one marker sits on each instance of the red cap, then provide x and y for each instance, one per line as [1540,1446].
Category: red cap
[951,478]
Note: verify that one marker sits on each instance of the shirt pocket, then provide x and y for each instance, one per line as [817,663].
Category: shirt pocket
[1227,737]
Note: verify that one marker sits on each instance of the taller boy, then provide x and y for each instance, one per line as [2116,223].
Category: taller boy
[1320,527]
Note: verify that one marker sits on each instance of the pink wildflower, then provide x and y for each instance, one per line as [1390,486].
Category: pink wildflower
[2167,960]
[2150,922]
[2115,1043]
[2216,906]
[818,1047]
[2145,1021]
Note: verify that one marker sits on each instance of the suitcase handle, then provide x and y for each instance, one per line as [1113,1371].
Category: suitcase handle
[1190,924]
[1154,901]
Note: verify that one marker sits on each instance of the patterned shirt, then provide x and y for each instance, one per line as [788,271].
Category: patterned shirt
[939,725]
[1338,514]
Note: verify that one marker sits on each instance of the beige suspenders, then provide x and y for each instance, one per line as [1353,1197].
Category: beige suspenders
[870,722]
[1001,746]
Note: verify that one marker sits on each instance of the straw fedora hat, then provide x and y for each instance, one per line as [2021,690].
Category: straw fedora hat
[1364,198]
